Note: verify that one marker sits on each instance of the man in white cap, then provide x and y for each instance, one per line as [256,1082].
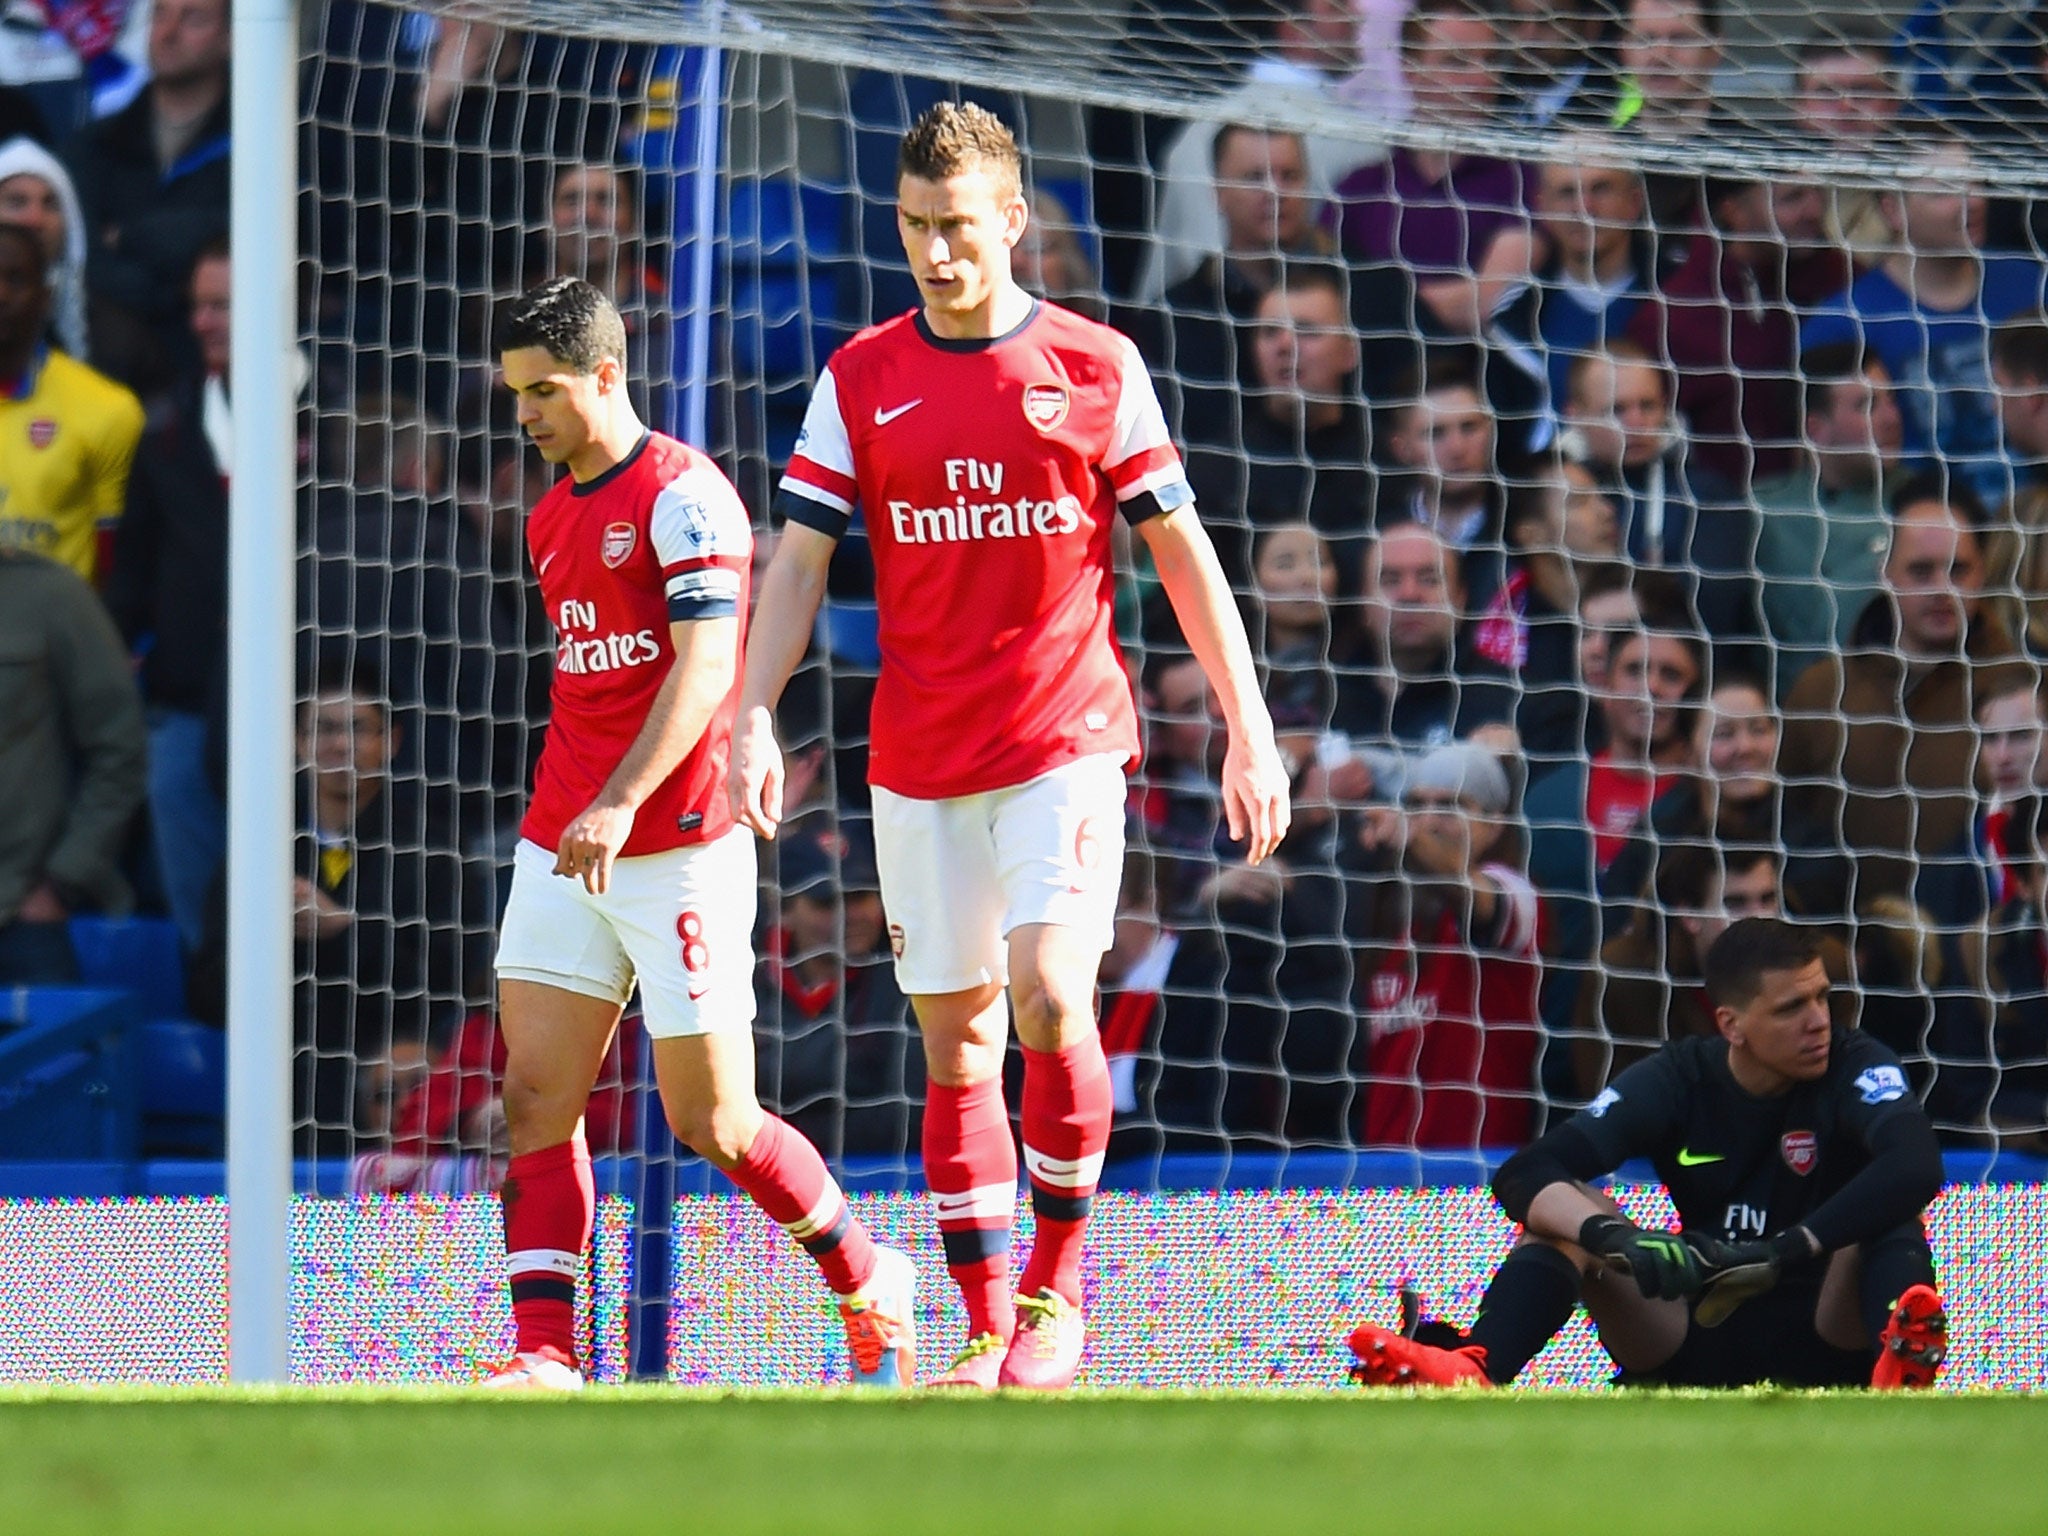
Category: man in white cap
[1451,1005]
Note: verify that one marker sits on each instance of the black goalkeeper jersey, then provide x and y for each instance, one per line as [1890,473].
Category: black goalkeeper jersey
[1740,1167]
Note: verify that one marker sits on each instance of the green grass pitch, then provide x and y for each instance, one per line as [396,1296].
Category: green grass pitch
[215,1461]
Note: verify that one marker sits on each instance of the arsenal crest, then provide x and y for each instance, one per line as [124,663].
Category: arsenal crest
[619,539]
[42,432]
[1801,1151]
[1045,405]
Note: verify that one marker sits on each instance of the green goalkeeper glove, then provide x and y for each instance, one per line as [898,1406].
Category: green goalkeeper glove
[1731,1273]
[1660,1263]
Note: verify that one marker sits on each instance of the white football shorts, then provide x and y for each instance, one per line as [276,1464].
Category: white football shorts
[958,875]
[681,922]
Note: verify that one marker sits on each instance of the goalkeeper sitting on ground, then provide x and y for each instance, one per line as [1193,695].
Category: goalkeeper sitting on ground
[1799,1162]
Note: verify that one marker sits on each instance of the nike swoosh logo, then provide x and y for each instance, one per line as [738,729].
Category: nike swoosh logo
[883,418]
[1688,1159]
[550,560]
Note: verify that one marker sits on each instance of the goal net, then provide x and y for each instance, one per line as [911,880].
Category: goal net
[1548,373]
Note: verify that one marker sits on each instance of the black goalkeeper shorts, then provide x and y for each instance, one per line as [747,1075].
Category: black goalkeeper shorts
[1770,1338]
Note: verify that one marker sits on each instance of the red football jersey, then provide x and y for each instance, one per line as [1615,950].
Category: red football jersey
[661,536]
[1454,1033]
[988,473]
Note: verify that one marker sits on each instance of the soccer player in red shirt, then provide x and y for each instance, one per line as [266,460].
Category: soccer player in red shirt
[630,866]
[990,441]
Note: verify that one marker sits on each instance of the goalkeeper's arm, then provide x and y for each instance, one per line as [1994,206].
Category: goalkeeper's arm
[1543,1187]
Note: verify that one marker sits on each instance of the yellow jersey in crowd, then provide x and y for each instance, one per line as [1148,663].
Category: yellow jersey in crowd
[67,439]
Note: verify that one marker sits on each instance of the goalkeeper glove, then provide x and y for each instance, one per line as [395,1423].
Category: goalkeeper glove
[1731,1273]
[1660,1263]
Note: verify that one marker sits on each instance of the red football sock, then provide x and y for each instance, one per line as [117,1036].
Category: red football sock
[970,1167]
[549,1202]
[1068,1104]
[787,1178]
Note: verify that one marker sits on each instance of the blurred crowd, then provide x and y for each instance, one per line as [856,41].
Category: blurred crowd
[1627,548]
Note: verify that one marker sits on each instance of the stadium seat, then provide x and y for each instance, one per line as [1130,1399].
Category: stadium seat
[181,1070]
[783,241]
[136,954]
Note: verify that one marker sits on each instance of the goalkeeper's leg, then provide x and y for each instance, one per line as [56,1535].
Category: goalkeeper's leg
[1531,1298]
[1880,1297]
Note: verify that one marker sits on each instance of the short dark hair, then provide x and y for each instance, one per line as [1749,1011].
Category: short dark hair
[1304,273]
[1827,366]
[1942,488]
[1687,870]
[2020,347]
[1734,965]
[1230,131]
[569,319]
[214,248]
[953,137]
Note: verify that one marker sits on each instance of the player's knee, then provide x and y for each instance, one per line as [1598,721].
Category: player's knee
[718,1133]
[1049,1017]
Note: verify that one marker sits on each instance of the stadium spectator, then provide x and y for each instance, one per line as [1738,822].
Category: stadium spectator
[1847,99]
[168,592]
[1560,62]
[1927,310]
[1179,799]
[1416,681]
[1564,548]
[71,764]
[1606,613]
[153,179]
[69,432]
[1670,56]
[1582,813]
[1311,50]
[1823,528]
[1453,473]
[1569,288]
[36,193]
[1436,211]
[1648,989]
[835,1054]
[1749,1237]
[1563,551]
[496,478]
[2015,980]
[1450,979]
[1621,422]
[1052,263]
[1303,449]
[1727,323]
[1734,798]
[1294,581]
[378,912]
[1201,343]
[1880,748]
[1977,871]
[1976,66]
[391,575]
[2019,376]
[595,231]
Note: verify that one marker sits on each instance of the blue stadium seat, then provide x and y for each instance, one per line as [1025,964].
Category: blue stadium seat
[180,1066]
[783,240]
[137,954]
[182,1080]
